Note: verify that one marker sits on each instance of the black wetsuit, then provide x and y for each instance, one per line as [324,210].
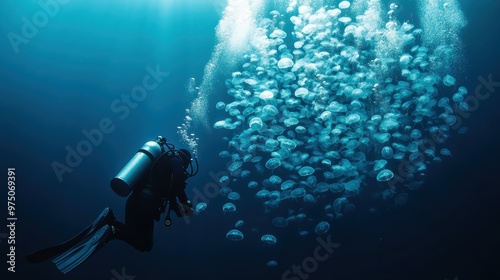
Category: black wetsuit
[167,181]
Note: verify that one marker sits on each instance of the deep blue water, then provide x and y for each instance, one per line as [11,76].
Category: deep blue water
[88,55]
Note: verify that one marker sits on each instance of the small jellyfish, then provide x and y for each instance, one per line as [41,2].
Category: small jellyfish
[272,263]
[233,196]
[224,191]
[239,224]
[322,227]
[223,179]
[252,184]
[234,235]
[228,208]
[385,175]
[273,163]
[306,171]
[268,239]
[280,222]
[201,207]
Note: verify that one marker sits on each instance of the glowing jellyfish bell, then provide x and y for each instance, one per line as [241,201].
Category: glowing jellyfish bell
[234,235]
[201,207]
[228,208]
[268,239]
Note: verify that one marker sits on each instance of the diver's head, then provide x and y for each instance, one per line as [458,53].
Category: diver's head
[185,156]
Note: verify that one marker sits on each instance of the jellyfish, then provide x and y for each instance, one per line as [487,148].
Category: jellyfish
[228,208]
[234,235]
[268,239]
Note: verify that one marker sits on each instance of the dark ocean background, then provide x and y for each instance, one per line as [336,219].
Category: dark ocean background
[66,77]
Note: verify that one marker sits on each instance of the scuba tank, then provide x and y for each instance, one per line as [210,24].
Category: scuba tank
[140,165]
[126,180]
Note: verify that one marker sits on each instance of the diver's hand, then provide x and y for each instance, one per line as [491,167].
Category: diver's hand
[188,208]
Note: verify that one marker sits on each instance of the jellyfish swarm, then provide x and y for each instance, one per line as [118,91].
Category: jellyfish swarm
[335,108]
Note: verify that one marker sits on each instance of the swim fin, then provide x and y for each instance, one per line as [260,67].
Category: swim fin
[106,217]
[74,257]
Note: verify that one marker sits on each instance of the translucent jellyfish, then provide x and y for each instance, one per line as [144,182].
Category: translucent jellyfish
[278,33]
[272,263]
[301,92]
[266,95]
[298,192]
[300,129]
[445,152]
[280,222]
[233,196]
[288,184]
[252,184]
[268,239]
[270,110]
[224,191]
[220,105]
[275,179]
[449,80]
[287,143]
[387,152]
[228,208]
[385,175]
[344,5]
[235,166]
[285,63]
[201,207]
[303,233]
[352,185]
[223,179]
[291,122]
[234,235]
[224,154]
[379,164]
[308,198]
[306,171]
[321,187]
[263,193]
[239,224]
[256,123]
[322,227]
[273,163]
[336,187]
[352,118]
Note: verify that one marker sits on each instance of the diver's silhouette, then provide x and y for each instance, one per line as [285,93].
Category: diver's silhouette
[156,178]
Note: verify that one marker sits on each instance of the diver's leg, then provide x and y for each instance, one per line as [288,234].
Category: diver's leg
[141,208]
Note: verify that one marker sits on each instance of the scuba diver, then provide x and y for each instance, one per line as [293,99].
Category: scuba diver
[154,181]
